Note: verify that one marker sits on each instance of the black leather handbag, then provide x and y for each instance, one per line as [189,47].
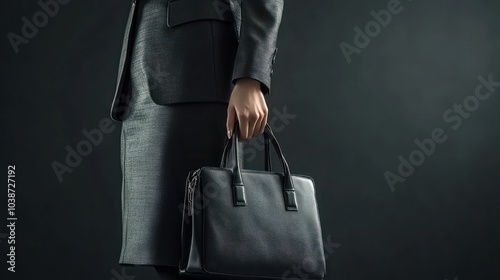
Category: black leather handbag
[250,224]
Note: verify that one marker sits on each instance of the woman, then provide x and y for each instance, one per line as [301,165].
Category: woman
[189,70]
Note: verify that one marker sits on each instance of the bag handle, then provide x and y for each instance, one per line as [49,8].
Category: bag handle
[267,153]
[238,188]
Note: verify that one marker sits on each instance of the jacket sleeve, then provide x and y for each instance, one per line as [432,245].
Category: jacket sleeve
[260,21]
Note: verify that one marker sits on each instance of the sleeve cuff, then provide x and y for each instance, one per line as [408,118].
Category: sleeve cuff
[265,86]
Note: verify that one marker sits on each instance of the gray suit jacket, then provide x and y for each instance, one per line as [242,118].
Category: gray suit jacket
[210,44]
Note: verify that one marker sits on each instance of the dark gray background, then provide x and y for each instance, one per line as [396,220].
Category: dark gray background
[352,121]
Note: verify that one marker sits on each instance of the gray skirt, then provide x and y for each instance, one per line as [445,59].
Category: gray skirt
[160,144]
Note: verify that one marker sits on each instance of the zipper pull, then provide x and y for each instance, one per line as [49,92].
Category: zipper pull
[190,200]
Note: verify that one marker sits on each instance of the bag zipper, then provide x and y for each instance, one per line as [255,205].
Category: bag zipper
[191,186]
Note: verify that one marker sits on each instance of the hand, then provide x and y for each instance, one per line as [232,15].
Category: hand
[248,104]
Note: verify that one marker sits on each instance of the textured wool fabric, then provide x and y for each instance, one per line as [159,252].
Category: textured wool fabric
[160,144]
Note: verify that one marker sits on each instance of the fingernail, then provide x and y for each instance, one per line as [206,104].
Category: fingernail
[229,134]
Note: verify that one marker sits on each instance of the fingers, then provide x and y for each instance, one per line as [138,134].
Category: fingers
[248,105]
[244,126]
[252,123]
[263,122]
[231,118]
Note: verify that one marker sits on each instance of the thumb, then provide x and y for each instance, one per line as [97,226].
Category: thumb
[231,118]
